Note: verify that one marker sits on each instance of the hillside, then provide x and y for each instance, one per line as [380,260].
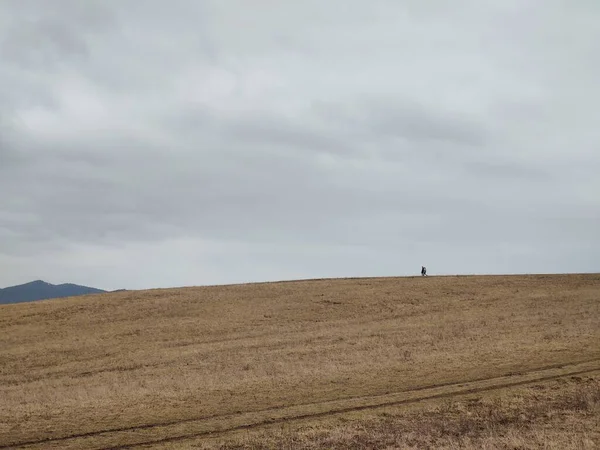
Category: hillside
[40,290]
[173,366]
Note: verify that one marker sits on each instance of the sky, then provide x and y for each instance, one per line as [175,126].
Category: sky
[191,142]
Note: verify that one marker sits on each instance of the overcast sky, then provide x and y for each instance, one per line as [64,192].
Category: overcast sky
[166,143]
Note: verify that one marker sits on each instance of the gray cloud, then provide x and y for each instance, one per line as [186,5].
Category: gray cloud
[160,144]
[508,171]
[36,41]
[41,43]
[406,119]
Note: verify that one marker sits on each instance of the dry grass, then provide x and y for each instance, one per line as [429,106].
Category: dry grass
[125,359]
[561,415]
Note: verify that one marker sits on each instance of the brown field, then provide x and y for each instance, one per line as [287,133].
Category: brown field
[437,362]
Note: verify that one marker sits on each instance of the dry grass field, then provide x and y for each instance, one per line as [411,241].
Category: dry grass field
[435,362]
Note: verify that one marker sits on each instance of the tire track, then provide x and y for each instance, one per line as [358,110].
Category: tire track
[220,424]
[341,411]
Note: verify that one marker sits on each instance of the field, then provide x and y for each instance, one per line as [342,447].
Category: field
[434,362]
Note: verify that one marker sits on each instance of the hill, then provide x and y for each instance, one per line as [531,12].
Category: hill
[450,362]
[40,290]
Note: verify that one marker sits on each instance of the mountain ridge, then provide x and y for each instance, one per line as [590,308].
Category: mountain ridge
[42,290]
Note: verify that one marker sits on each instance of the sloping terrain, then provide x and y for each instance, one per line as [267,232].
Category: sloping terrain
[168,365]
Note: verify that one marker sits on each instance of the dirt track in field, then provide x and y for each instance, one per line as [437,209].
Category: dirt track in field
[210,426]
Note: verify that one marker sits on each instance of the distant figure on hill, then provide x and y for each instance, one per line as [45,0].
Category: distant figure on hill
[423,271]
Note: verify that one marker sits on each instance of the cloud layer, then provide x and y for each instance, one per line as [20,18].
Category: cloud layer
[174,143]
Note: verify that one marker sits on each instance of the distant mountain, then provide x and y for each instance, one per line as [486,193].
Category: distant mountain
[40,290]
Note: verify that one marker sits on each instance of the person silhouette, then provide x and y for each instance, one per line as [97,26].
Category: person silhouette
[423,271]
